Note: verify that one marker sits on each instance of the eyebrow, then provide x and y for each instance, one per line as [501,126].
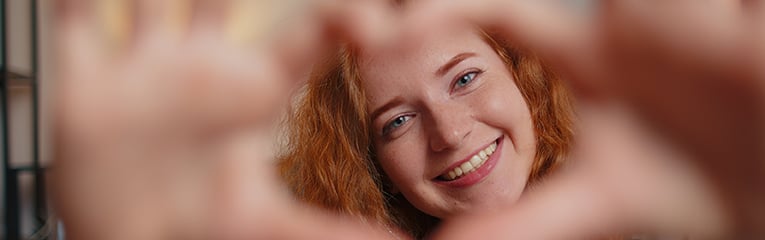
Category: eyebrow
[385,107]
[440,72]
[453,62]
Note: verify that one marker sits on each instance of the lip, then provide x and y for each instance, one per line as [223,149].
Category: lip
[479,174]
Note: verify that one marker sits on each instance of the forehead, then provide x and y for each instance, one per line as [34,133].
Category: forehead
[424,52]
[401,68]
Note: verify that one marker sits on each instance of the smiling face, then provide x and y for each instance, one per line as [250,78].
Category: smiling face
[451,129]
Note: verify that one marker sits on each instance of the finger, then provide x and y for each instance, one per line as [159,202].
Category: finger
[756,24]
[72,11]
[252,204]
[223,88]
[677,27]
[566,208]
[313,224]
[700,55]
[546,27]
[670,58]
[208,17]
[579,206]
[251,22]
[655,182]
[80,43]
[321,26]
[156,20]
[367,23]
[566,37]
[246,189]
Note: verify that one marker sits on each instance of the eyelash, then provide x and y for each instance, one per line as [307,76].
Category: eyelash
[457,81]
[389,126]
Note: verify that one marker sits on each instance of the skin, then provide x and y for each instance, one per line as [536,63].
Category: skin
[425,121]
[90,96]
[659,60]
[164,133]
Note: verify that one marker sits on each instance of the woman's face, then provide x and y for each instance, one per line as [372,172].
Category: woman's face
[451,129]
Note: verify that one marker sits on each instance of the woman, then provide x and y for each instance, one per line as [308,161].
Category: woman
[116,142]
[457,122]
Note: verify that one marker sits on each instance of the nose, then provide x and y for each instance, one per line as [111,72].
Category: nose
[449,127]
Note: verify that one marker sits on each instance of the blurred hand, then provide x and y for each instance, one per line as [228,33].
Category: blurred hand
[673,136]
[152,142]
[164,115]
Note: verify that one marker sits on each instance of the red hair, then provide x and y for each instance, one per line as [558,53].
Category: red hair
[329,160]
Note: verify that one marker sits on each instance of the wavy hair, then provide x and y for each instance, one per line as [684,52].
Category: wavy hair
[329,160]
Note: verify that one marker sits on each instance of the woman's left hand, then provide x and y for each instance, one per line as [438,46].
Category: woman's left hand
[673,135]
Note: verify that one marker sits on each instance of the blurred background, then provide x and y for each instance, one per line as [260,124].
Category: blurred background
[24,55]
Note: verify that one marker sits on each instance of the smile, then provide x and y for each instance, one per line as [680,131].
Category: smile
[474,169]
[471,165]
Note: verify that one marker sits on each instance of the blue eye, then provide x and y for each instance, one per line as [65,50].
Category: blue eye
[395,123]
[466,79]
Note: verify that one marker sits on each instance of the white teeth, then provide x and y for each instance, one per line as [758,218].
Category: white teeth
[466,167]
[475,160]
[474,163]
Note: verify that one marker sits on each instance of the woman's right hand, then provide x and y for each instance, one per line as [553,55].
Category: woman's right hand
[164,115]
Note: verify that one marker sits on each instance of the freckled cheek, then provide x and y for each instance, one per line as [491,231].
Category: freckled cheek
[503,106]
[400,165]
